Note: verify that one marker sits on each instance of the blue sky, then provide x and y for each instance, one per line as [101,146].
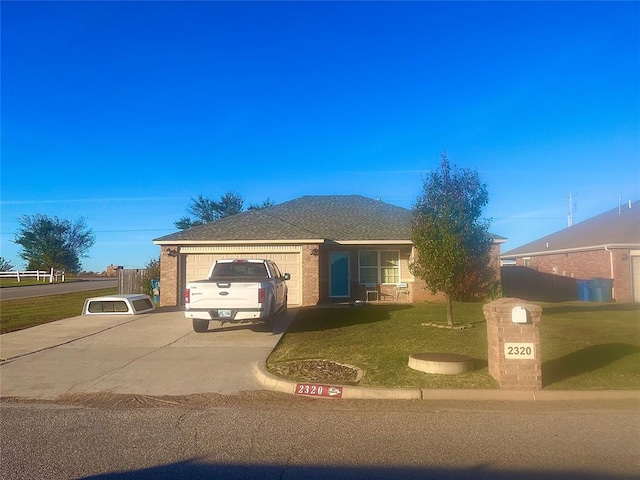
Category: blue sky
[119,112]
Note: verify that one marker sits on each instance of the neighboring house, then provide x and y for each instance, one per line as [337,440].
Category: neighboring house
[335,247]
[606,246]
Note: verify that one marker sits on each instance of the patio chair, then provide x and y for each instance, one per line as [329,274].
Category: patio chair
[371,288]
[402,288]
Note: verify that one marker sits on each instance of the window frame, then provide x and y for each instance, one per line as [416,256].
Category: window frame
[379,267]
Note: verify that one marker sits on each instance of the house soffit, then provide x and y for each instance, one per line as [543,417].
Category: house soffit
[570,250]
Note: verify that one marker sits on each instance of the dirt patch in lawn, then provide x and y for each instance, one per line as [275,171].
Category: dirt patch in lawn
[317,371]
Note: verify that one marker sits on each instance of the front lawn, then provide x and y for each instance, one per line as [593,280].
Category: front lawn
[21,313]
[584,346]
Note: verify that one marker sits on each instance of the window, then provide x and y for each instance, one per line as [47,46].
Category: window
[108,306]
[379,266]
[275,270]
[239,270]
[143,304]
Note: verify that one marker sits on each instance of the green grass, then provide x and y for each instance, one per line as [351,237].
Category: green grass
[23,313]
[584,346]
[379,339]
[26,282]
[590,346]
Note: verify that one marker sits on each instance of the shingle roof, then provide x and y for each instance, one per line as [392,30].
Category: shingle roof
[324,217]
[619,226]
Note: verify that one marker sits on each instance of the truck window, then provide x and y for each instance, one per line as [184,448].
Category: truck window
[275,270]
[239,270]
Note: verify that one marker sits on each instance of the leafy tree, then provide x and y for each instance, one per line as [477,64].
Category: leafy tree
[452,242]
[5,265]
[207,210]
[53,242]
[152,270]
[266,204]
[230,204]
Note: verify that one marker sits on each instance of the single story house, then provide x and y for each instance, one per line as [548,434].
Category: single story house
[606,246]
[337,248]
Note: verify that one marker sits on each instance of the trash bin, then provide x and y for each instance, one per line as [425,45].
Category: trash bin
[602,288]
[155,286]
[584,291]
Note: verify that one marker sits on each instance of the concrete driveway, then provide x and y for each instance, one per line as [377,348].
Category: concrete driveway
[152,354]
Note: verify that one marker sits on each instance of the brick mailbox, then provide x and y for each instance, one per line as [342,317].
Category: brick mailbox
[514,343]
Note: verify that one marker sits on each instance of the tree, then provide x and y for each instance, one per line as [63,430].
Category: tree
[206,210]
[53,242]
[152,271]
[5,265]
[266,204]
[452,243]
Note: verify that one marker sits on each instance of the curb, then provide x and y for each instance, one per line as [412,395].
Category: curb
[277,384]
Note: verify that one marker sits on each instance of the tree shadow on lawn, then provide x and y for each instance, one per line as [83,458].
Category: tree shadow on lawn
[584,361]
[318,318]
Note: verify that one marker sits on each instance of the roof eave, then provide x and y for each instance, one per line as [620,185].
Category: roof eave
[569,250]
[240,242]
[372,242]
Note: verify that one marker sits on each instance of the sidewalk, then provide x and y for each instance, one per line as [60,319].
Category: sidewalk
[277,384]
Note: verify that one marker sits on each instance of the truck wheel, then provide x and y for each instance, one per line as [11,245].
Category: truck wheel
[200,325]
[269,321]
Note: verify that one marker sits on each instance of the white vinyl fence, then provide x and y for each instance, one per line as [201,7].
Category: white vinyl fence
[39,275]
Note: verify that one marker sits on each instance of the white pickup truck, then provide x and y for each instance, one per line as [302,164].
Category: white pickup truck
[237,291]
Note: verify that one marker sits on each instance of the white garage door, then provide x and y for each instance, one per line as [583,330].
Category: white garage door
[635,265]
[198,261]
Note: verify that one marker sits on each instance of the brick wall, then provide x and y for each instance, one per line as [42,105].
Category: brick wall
[420,292]
[311,274]
[513,374]
[589,264]
[169,276]
[622,271]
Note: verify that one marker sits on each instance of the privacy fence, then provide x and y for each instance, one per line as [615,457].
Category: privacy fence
[529,284]
[131,280]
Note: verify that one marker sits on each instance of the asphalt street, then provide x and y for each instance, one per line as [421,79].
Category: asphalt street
[44,289]
[267,435]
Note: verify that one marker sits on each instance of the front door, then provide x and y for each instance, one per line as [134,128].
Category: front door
[339,274]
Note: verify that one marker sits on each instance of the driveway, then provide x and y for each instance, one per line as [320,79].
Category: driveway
[152,354]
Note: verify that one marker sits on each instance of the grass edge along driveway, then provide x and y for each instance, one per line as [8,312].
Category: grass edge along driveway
[21,313]
[585,346]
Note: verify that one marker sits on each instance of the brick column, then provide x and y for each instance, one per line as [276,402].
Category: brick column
[169,259]
[310,274]
[514,348]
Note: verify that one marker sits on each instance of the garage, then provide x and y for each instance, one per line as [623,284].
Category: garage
[197,261]
[635,275]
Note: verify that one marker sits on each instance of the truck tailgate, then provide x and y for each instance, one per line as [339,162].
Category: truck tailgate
[212,294]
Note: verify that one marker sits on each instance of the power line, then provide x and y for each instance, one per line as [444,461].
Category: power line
[113,231]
